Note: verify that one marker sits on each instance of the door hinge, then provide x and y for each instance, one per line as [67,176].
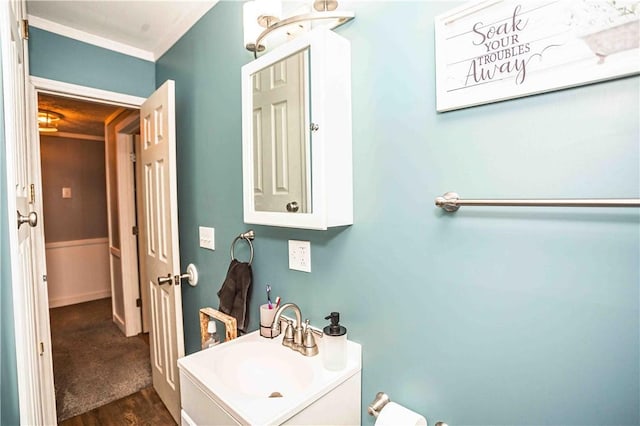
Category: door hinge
[41,348]
[134,230]
[25,29]
[44,278]
[138,303]
[132,157]
[32,194]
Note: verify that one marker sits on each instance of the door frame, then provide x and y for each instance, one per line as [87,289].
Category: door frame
[40,387]
[31,356]
[125,131]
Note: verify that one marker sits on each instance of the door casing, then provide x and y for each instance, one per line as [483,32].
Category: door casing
[41,389]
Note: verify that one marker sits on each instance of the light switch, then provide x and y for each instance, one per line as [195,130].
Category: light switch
[207,238]
[300,255]
[66,192]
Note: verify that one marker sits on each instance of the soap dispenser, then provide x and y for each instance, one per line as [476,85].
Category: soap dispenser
[334,353]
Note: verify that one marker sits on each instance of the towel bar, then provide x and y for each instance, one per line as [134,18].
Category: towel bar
[451,202]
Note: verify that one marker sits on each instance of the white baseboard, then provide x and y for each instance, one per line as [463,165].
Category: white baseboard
[79,298]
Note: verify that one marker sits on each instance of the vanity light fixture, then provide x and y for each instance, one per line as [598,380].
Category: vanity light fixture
[48,121]
[264,17]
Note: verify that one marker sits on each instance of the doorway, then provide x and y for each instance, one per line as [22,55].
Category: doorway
[74,195]
[87,168]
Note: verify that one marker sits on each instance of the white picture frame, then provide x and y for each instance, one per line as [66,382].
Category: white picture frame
[488,51]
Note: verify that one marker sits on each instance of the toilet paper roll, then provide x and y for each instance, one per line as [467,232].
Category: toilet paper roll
[396,415]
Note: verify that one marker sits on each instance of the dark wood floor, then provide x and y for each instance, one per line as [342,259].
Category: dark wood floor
[141,408]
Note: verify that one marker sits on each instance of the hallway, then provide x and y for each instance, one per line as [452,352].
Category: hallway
[93,362]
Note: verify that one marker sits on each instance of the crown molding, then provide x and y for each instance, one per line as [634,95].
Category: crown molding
[89,38]
[73,136]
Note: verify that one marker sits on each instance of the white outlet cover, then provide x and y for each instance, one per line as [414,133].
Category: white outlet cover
[300,255]
[66,192]
[207,237]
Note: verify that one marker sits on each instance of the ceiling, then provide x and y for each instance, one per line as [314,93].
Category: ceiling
[145,29]
[78,117]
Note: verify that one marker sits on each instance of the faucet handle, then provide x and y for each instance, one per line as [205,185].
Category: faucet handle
[309,346]
[287,340]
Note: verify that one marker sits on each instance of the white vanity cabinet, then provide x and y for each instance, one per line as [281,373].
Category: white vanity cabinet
[198,407]
[340,406]
[233,384]
[296,134]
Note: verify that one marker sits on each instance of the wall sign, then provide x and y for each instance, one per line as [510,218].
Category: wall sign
[495,50]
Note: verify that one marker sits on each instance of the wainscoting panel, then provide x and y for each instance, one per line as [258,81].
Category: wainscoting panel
[77,271]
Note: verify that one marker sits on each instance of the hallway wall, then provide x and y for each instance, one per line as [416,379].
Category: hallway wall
[80,165]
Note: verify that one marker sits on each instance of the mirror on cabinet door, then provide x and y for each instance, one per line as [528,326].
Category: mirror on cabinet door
[296,134]
[281,167]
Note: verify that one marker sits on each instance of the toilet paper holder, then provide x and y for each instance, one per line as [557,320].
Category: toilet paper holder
[378,404]
[380,401]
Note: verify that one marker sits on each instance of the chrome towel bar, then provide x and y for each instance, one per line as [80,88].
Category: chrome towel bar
[451,202]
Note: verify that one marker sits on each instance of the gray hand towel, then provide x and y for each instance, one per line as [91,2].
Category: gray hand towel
[234,293]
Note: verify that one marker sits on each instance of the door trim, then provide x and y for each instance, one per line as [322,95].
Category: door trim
[85,93]
[39,386]
[131,324]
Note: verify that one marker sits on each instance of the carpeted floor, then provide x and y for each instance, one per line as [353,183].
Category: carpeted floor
[93,362]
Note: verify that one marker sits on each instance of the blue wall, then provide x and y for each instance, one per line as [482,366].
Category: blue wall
[487,316]
[9,410]
[60,58]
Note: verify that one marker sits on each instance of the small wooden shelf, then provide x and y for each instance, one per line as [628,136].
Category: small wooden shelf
[230,323]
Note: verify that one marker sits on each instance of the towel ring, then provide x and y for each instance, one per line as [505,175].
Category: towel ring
[247,236]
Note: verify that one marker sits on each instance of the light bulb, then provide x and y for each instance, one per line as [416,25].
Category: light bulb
[251,28]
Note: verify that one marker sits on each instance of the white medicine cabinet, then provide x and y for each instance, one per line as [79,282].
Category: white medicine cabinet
[296,134]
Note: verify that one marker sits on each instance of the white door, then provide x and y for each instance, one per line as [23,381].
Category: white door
[160,244]
[280,181]
[33,350]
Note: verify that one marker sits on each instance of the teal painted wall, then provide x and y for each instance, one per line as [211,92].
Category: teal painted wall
[9,409]
[64,59]
[487,316]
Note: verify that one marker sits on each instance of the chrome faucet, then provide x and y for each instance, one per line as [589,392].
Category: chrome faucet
[294,338]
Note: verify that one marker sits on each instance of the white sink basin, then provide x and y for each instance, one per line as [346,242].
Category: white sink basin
[260,370]
[257,381]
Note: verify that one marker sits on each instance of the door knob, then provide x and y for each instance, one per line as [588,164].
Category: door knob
[292,207]
[31,219]
[165,280]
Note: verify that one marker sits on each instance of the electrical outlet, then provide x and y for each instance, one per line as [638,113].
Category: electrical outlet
[300,255]
[66,192]
[207,237]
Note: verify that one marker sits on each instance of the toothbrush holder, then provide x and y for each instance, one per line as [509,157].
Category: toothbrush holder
[266,320]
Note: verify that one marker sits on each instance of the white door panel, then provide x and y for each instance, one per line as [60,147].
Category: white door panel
[161,251]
